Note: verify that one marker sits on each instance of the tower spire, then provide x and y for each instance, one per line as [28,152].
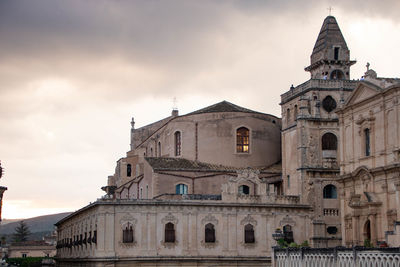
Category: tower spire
[330,58]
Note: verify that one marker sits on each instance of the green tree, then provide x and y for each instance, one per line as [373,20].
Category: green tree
[21,232]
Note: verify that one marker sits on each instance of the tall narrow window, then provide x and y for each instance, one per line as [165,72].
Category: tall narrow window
[127,234]
[141,192]
[242,140]
[295,112]
[169,233]
[287,115]
[249,233]
[147,191]
[178,143]
[209,233]
[129,170]
[336,53]
[288,234]
[367,142]
[151,152]
[288,181]
[159,149]
[181,189]
[244,190]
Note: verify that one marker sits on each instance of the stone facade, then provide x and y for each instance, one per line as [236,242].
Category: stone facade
[215,187]
[370,177]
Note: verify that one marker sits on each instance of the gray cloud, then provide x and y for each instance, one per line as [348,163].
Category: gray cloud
[72,73]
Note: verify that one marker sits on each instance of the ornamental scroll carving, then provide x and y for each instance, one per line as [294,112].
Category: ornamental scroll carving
[169,218]
[248,219]
[209,219]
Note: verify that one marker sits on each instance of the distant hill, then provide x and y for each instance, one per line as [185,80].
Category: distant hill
[39,226]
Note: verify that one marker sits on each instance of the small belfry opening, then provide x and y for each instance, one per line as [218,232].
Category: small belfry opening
[242,140]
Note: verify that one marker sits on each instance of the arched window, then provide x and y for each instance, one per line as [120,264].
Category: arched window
[287,115]
[170,232]
[288,234]
[249,233]
[129,170]
[159,149]
[181,189]
[244,190]
[209,233]
[295,112]
[141,192]
[330,191]
[367,142]
[151,152]
[329,142]
[242,140]
[127,234]
[337,75]
[177,143]
[147,191]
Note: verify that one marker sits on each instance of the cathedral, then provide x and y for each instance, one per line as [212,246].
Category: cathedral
[221,185]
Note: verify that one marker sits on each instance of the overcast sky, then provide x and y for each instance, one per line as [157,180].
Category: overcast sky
[73,73]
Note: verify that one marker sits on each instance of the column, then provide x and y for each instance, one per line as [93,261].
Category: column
[354,228]
[397,186]
[372,219]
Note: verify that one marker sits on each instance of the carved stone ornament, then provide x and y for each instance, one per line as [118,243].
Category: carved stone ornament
[209,219]
[127,219]
[247,174]
[287,220]
[248,219]
[169,218]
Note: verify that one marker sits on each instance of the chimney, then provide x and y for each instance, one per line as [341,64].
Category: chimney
[175,112]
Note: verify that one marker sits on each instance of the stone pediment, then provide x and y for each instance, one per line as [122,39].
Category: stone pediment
[363,91]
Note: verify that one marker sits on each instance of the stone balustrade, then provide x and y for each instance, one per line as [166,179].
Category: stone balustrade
[320,84]
[336,257]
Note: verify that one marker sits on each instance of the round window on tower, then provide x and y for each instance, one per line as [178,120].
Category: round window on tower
[329,103]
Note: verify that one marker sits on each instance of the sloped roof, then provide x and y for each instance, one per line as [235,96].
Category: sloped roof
[223,106]
[274,168]
[329,35]
[181,164]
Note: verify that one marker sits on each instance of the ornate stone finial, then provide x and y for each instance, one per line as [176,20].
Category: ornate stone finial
[367,66]
[133,123]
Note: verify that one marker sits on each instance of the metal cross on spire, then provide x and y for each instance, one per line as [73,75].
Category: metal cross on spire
[330,10]
[175,104]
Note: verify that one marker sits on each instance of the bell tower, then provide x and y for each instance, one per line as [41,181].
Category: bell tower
[310,133]
[330,58]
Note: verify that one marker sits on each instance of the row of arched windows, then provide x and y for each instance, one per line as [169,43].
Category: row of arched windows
[209,233]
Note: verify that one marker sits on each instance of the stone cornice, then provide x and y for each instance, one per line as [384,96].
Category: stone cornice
[181,203]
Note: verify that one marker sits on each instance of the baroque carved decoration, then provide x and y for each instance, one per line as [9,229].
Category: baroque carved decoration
[169,218]
[248,219]
[209,219]
[287,220]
